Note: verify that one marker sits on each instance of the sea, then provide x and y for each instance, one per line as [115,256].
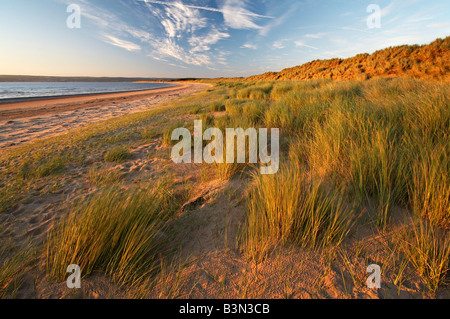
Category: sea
[25,90]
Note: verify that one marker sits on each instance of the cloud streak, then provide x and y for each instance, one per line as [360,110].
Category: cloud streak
[302,44]
[127,45]
[230,7]
[234,13]
[249,46]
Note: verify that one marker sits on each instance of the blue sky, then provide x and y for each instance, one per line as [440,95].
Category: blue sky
[203,38]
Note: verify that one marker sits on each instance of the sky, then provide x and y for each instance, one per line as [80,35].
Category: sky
[204,38]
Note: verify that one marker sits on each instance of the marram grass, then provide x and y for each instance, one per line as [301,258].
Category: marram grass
[118,231]
[289,207]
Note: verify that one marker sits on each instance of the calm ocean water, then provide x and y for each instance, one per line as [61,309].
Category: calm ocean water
[12,90]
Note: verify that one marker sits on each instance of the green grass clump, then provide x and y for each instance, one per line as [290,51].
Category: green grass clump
[253,112]
[13,263]
[119,232]
[225,171]
[195,110]
[217,106]
[102,177]
[9,194]
[430,186]
[148,133]
[167,133]
[233,107]
[42,165]
[255,92]
[427,247]
[280,89]
[207,120]
[288,207]
[117,154]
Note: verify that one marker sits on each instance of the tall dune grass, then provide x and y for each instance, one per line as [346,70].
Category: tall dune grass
[13,262]
[289,207]
[117,231]
[427,247]
[430,186]
[382,141]
[366,136]
[255,92]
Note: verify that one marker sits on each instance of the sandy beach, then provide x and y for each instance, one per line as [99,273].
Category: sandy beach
[22,122]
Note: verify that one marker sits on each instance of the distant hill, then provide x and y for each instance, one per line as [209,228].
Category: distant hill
[431,61]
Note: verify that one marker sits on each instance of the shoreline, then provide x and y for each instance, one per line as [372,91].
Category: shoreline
[55,97]
[36,107]
[23,122]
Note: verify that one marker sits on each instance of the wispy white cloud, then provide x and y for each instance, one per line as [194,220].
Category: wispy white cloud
[236,16]
[302,44]
[181,18]
[157,58]
[245,12]
[110,24]
[279,44]
[204,42]
[315,35]
[438,25]
[234,12]
[127,45]
[388,9]
[350,28]
[249,46]
[177,65]
[280,20]
[169,48]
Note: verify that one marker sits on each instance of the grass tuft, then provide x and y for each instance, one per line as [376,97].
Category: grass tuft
[120,232]
[117,154]
[428,249]
[289,207]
